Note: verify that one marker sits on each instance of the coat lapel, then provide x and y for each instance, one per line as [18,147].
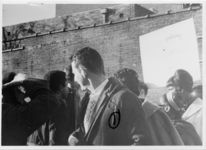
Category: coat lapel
[90,134]
[192,109]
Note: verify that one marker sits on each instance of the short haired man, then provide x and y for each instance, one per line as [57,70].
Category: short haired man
[113,116]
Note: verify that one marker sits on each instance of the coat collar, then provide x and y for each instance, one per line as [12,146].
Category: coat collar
[99,89]
[110,88]
[149,108]
[192,109]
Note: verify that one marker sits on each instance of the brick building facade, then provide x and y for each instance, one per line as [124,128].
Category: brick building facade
[47,44]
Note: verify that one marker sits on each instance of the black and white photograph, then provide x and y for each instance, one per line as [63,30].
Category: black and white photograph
[102,74]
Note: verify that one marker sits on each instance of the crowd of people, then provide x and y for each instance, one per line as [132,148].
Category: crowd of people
[81,106]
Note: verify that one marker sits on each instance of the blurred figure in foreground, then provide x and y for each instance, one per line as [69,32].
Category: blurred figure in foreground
[27,103]
[57,128]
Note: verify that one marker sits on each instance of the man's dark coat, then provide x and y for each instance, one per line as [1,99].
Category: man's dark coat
[119,119]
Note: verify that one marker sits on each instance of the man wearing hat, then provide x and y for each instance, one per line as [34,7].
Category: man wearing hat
[180,88]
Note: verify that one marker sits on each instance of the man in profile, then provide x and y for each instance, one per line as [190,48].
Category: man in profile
[183,83]
[114,115]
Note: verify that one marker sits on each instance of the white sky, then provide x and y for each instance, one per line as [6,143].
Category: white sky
[31,10]
[20,13]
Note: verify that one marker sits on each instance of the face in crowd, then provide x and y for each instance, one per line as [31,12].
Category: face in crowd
[79,75]
[177,98]
[86,63]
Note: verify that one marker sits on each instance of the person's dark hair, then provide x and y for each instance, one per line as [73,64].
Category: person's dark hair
[183,79]
[56,79]
[129,78]
[8,77]
[90,59]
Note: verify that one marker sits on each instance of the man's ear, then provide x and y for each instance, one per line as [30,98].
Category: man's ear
[83,71]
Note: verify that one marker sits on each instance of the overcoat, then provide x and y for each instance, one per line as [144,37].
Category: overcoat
[119,119]
[162,129]
[187,132]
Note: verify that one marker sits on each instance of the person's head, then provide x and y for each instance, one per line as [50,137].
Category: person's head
[183,80]
[197,92]
[170,107]
[129,78]
[56,80]
[179,86]
[86,63]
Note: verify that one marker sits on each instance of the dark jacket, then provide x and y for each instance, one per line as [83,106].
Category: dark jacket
[64,120]
[119,119]
[20,120]
[82,109]
[187,132]
[56,130]
[162,130]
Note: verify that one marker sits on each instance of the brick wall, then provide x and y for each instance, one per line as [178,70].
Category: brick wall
[118,43]
[72,21]
[68,9]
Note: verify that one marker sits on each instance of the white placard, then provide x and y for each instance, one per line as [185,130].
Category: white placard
[167,49]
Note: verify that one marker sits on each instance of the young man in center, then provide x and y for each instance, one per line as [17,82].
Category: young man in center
[114,115]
